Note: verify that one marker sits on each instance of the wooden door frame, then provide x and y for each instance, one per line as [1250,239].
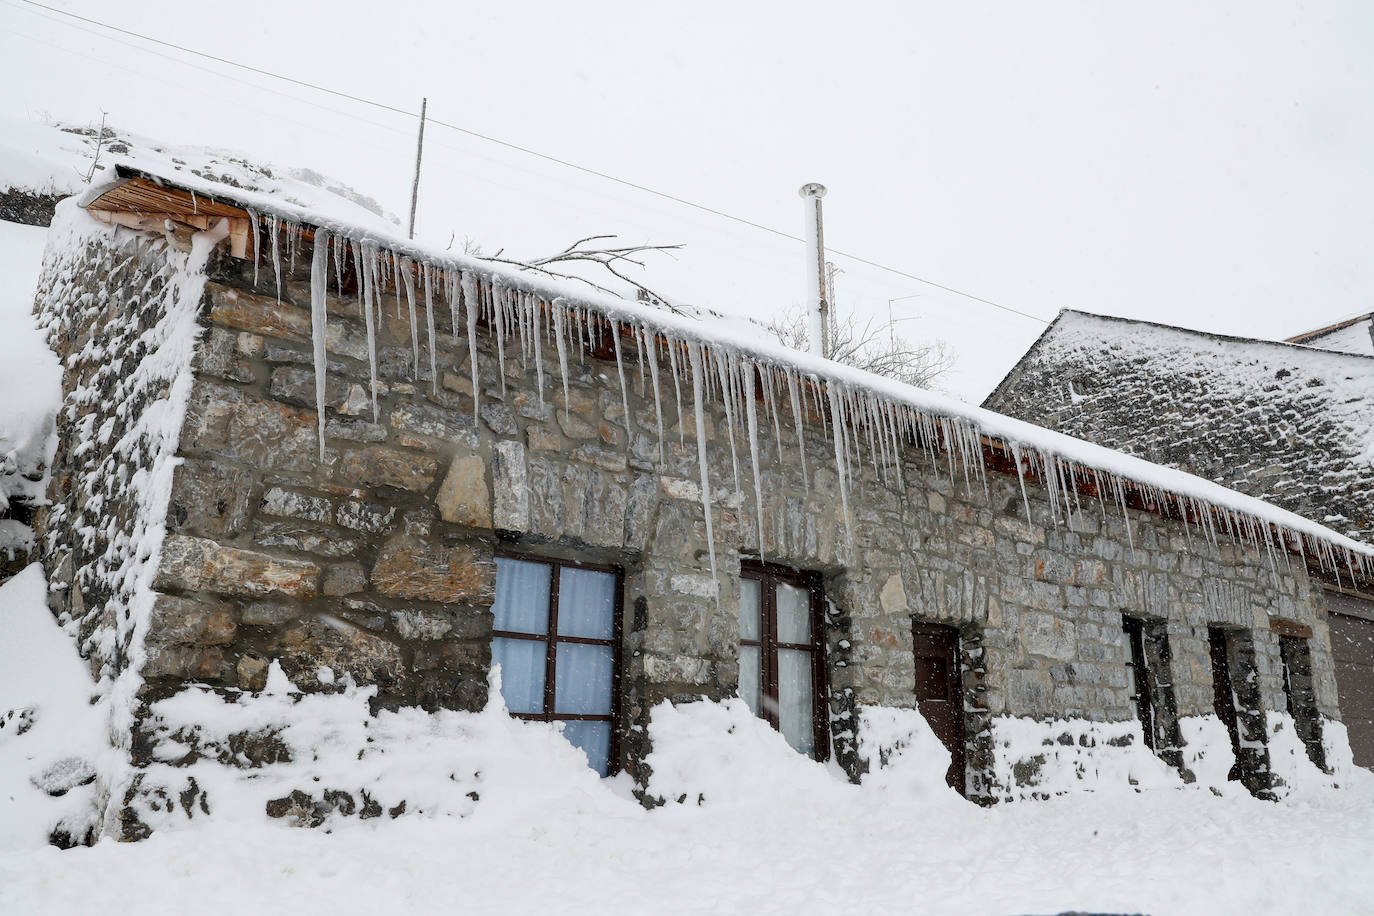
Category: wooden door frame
[959,753]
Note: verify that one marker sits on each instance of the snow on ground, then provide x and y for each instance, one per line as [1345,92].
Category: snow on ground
[760,830]
[30,378]
[810,845]
[51,737]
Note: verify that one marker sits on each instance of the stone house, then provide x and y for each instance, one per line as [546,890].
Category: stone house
[1290,424]
[290,442]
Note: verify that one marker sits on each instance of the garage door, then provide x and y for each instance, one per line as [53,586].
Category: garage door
[1352,645]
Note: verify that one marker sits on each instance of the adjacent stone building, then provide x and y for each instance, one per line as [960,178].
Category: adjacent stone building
[624,506]
[1289,424]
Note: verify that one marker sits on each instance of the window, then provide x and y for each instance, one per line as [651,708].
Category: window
[782,656]
[556,638]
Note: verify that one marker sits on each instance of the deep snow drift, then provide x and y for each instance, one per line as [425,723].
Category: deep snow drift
[504,816]
[806,843]
[52,739]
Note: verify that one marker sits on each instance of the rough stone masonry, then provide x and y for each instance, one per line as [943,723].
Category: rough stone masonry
[376,560]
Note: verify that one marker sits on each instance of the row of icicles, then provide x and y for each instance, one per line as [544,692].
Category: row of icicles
[854,419]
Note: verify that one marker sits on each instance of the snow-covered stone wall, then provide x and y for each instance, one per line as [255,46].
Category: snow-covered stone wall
[368,559]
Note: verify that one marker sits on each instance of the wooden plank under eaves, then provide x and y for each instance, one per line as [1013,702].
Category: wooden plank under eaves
[140,203]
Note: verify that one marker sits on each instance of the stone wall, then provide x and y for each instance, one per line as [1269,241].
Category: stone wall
[120,311]
[27,207]
[374,561]
[1282,423]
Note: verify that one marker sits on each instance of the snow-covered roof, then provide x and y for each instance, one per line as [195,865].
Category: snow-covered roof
[1350,335]
[1290,424]
[58,158]
[851,397]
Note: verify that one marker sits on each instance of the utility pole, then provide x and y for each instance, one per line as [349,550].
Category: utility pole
[818,306]
[419,151]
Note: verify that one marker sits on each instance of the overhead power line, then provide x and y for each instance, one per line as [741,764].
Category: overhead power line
[535,153]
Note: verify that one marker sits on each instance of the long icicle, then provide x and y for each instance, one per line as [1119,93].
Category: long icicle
[429,329]
[650,344]
[319,285]
[409,280]
[624,391]
[256,230]
[370,319]
[498,311]
[725,398]
[677,390]
[752,420]
[801,432]
[837,426]
[560,331]
[274,226]
[470,313]
[537,309]
[698,397]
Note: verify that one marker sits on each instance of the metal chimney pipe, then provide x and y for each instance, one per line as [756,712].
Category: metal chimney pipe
[819,309]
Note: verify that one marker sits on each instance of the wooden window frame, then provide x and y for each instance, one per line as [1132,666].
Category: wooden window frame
[551,639]
[769,575]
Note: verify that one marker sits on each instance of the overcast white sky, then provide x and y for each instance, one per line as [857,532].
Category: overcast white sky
[1207,165]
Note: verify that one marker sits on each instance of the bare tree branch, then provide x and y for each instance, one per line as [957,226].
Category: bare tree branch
[609,257]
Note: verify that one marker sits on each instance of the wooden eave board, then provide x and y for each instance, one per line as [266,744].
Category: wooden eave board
[139,195]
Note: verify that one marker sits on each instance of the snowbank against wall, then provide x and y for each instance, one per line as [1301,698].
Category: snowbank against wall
[53,740]
[119,309]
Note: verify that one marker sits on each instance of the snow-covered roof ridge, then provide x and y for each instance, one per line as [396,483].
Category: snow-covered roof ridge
[1329,327]
[1070,316]
[888,408]
[1069,320]
[1350,335]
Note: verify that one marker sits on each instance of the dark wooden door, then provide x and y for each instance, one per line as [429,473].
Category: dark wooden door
[939,691]
[1223,695]
[1352,648]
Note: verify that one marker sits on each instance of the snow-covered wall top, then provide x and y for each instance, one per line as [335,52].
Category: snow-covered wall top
[1285,423]
[718,357]
[62,159]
